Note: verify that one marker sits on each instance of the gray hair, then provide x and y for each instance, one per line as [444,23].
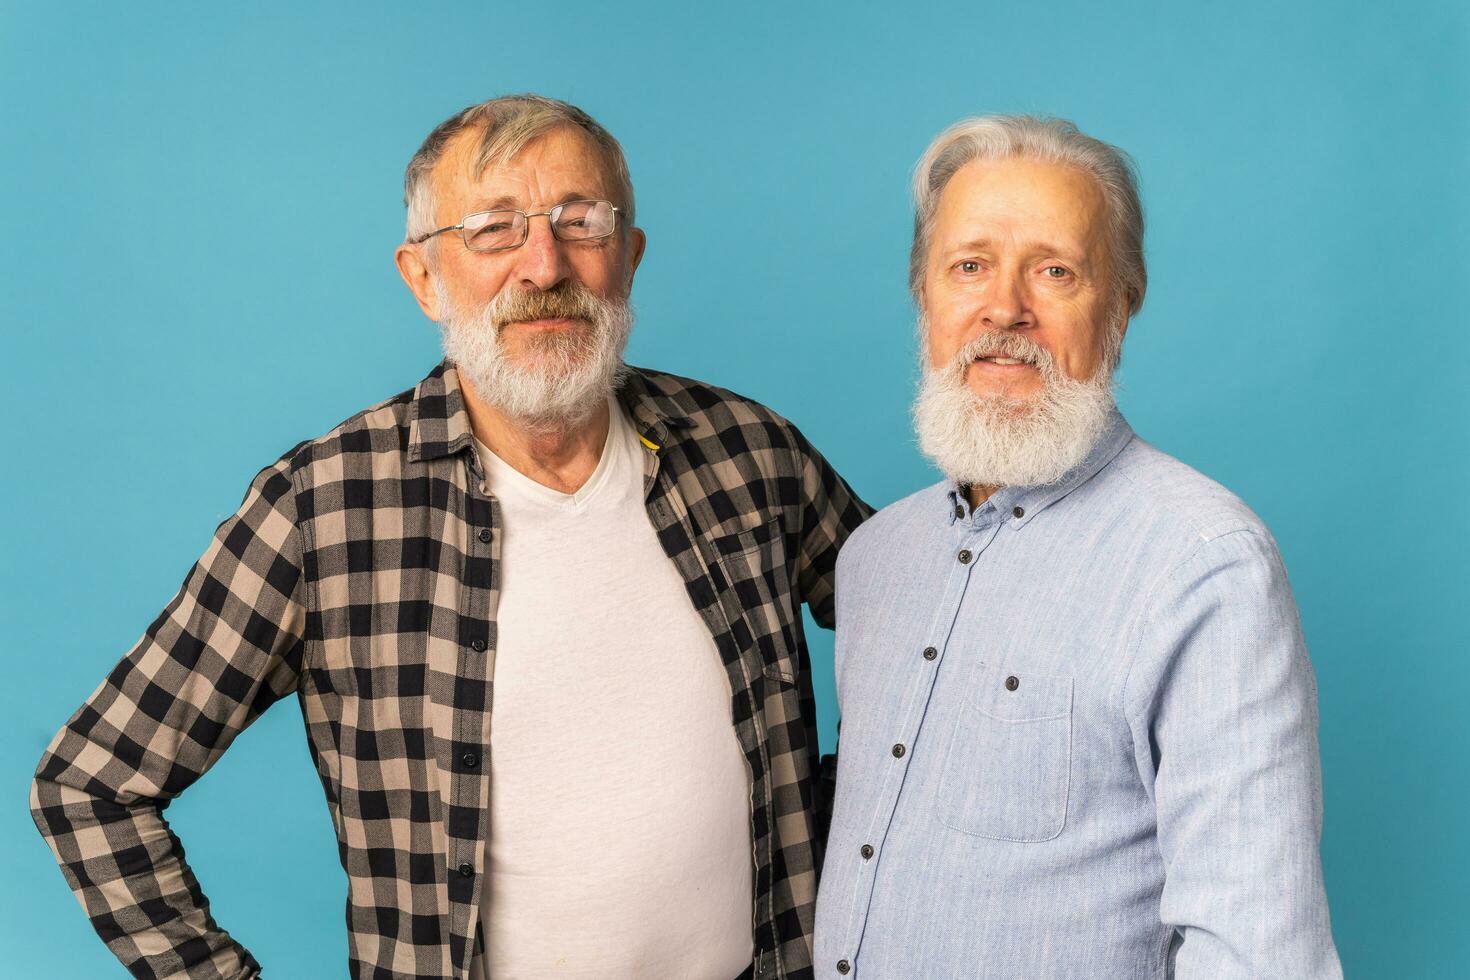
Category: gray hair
[1052,141]
[506,126]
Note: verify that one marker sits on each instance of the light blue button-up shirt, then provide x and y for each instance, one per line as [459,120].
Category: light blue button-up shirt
[1079,738]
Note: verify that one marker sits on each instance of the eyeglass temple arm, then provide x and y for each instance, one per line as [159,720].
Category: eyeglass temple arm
[437,231]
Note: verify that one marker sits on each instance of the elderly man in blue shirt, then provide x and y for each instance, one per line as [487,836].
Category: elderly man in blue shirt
[1079,725]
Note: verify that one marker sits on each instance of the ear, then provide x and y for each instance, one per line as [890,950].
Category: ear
[1125,317]
[418,277]
[637,242]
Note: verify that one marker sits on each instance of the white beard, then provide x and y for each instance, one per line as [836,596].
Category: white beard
[997,441]
[561,378]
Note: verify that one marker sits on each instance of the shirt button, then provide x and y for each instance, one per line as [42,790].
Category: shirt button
[471,760]
[1012,682]
[930,653]
[1018,511]
[466,870]
[477,645]
[867,851]
[843,966]
[965,556]
[898,751]
[485,535]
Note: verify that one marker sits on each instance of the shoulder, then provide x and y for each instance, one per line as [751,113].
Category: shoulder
[1190,528]
[896,527]
[1179,501]
[372,435]
[711,408]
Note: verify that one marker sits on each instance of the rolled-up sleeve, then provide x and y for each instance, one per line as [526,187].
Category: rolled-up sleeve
[1222,705]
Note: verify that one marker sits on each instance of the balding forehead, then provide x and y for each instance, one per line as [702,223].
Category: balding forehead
[477,152]
[554,167]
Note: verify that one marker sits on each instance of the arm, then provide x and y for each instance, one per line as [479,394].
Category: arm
[225,649]
[1223,708]
[830,512]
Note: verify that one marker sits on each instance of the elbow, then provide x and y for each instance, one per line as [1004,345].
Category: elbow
[46,795]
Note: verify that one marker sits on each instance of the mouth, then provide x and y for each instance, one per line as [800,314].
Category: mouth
[997,372]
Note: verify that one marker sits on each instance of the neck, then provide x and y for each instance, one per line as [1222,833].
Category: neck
[977,494]
[562,458]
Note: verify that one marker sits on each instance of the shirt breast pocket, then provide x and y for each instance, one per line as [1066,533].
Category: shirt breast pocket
[1006,773]
[753,563]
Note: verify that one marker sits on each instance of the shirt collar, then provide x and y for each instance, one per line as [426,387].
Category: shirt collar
[439,424]
[656,416]
[1020,505]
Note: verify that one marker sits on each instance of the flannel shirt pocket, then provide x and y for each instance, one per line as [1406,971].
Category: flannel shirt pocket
[755,564]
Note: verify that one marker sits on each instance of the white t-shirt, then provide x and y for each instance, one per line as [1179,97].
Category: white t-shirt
[619,798]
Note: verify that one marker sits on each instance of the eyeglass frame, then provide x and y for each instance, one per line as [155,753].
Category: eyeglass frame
[527,233]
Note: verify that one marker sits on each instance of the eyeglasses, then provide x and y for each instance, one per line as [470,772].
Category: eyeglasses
[496,231]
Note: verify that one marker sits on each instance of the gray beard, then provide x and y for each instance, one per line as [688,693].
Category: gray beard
[560,381]
[995,441]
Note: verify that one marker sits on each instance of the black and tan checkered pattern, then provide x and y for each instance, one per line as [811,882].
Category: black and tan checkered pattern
[361,571]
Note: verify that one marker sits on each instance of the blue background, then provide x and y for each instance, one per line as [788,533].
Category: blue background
[195,273]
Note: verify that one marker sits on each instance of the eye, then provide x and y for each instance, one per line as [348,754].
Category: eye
[969,267]
[1056,272]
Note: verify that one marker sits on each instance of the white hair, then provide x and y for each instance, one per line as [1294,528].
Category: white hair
[1000,441]
[1052,141]
[562,377]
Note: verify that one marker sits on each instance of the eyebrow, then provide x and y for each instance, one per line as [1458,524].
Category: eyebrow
[508,202]
[1036,246]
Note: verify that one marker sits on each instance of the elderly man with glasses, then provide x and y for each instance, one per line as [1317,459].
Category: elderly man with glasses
[541,612]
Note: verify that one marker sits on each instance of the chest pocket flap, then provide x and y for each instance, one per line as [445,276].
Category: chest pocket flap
[760,606]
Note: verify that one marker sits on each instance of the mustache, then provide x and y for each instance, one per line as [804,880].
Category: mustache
[570,300]
[996,344]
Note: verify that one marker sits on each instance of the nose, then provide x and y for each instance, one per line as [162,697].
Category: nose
[540,264]
[1005,305]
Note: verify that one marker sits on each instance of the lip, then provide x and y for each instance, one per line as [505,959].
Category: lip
[1003,368]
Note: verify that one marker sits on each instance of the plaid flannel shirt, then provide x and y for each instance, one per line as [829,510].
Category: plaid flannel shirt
[361,571]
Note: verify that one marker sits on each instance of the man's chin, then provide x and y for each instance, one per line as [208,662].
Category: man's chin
[547,365]
[1003,406]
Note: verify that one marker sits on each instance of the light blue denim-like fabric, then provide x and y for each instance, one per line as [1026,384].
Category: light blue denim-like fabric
[1107,765]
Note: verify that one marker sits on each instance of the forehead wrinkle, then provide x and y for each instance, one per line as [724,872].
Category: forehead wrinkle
[511,202]
[996,198]
[1032,246]
[1083,196]
[514,183]
[455,172]
[1022,217]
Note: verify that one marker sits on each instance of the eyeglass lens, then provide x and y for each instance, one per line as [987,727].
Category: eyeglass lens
[573,221]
